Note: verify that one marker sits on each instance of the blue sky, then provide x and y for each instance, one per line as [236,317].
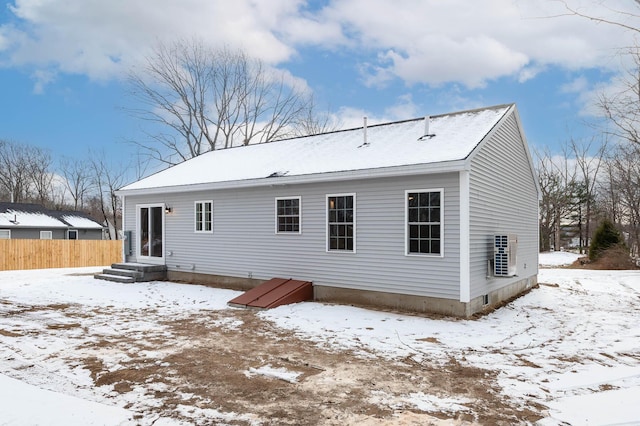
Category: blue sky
[63,62]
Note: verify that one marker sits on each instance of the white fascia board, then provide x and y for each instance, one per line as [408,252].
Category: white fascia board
[418,169]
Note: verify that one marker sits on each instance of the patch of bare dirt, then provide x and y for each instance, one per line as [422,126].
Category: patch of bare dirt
[209,366]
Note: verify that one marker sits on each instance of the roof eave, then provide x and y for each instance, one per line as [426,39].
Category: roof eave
[383,172]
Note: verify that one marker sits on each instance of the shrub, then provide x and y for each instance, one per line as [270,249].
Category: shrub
[614,258]
[606,236]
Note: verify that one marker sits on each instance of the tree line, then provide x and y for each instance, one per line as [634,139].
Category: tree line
[30,174]
[598,179]
[586,185]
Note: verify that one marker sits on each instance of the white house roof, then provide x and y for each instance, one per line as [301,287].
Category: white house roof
[81,222]
[20,215]
[387,145]
[21,219]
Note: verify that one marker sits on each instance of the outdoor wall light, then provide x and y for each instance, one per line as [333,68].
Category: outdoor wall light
[167,209]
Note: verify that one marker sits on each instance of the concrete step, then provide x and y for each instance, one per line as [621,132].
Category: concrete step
[132,272]
[114,278]
[141,267]
[124,273]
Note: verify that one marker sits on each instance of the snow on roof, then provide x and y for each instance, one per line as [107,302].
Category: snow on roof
[22,215]
[388,145]
[21,219]
[81,222]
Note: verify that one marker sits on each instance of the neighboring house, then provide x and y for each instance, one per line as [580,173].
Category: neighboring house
[33,221]
[438,214]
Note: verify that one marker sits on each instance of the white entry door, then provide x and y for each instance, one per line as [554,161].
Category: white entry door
[151,233]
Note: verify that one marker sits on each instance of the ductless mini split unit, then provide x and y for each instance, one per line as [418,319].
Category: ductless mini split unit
[505,259]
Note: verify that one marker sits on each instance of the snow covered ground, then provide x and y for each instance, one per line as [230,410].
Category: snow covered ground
[572,345]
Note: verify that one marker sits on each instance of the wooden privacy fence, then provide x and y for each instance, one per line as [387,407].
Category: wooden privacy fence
[42,254]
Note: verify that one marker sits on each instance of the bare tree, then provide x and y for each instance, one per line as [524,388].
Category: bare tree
[106,179]
[15,170]
[622,16]
[556,179]
[40,174]
[77,175]
[206,99]
[623,167]
[588,164]
[620,108]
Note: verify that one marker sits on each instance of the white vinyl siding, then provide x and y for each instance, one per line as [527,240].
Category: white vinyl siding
[204,216]
[288,215]
[424,213]
[46,235]
[341,222]
[5,234]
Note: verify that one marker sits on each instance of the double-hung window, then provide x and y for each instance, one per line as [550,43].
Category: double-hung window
[46,235]
[424,222]
[72,234]
[5,234]
[288,215]
[341,222]
[204,216]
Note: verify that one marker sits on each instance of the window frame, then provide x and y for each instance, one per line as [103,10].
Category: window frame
[328,224]
[277,216]
[203,220]
[69,231]
[6,232]
[50,233]
[407,224]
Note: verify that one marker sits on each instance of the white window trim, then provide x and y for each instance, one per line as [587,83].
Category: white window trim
[69,231]
[326,222]
[195,222]
[137,250]
[406,223]
[295,197]
[44,233]
[6,232]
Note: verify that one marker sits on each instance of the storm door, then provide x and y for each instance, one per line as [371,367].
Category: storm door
[151,232]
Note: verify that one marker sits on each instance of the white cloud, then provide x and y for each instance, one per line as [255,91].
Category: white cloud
[42,78]
[102,39]
[577,85]
[417,41]
[430,41]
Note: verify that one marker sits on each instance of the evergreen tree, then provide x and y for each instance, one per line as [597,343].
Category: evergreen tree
[606,236]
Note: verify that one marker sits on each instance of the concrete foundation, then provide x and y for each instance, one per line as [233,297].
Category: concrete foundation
[374,299]
[218,281]
[422,304]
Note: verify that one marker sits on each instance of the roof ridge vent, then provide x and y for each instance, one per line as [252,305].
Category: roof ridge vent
[426,134]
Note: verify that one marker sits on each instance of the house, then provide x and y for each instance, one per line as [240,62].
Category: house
[437,214]
[35,222]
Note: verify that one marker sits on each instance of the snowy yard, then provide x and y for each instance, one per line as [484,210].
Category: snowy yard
[78,351]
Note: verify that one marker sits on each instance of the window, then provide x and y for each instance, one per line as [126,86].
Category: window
[424,222]
[288,215]
[341,222]
[204,216]
[46,235]
[5,234]
[72,234]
